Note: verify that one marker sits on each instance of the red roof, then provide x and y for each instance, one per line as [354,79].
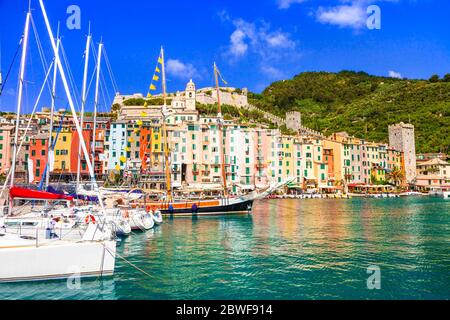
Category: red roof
[22,193]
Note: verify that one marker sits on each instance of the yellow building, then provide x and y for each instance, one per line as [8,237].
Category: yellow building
[63,150]
[288,156]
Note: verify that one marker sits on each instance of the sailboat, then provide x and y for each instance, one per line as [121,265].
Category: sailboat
[222,206]
[31,258]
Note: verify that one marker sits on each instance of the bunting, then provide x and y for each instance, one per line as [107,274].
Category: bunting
[156,75]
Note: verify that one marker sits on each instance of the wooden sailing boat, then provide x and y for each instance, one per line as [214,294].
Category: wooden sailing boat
[222,206]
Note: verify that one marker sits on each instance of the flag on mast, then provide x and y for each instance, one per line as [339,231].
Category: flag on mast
[156,75]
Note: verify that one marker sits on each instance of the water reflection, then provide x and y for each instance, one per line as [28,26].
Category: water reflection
[289,249]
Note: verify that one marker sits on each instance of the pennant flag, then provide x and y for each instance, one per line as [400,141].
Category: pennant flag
[139,123]
[136,130]
[123,159]
[143,114]
[220,75]
[131,140]
[127,149]
[156,76]
[117,168]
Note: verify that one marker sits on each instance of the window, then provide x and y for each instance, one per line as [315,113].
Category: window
[43,153]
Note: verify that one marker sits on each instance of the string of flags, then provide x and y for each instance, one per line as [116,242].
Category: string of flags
[156,75]
[153,87]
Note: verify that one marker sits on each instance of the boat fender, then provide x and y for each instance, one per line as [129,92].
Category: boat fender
[89,219]
[171,209]
[194,208]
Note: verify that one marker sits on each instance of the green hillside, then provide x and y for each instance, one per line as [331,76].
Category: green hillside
[364,105]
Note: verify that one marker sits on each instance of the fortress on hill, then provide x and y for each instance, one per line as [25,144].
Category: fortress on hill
[181,103]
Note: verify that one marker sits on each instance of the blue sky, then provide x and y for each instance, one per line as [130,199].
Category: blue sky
[253,42]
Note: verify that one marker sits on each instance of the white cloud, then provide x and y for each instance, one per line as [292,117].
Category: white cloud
[286,4]
[180,70]
[269,49]
[238,47]
[350,13]
[394,74]
[257,37]
[279,40]
[353,15]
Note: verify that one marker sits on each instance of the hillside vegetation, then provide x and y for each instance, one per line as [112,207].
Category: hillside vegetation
[364,105]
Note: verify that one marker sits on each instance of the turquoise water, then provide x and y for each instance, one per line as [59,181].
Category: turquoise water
[288,249]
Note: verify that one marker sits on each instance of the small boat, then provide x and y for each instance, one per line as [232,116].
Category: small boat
[157,217]
[27,258]
[139,219]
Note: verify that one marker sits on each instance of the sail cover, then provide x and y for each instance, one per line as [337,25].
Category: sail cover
[23,193]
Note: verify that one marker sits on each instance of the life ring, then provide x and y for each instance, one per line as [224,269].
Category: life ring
[89,219]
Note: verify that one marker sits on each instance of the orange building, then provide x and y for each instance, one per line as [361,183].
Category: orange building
[38,154]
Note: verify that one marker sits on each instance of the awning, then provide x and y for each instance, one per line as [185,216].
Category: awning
[22,193]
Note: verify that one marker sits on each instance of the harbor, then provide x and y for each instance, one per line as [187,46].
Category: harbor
[286,250]
[208,193]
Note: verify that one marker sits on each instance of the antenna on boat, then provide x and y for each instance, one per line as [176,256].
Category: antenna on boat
[83,100]
[97,83]
[168,170]
[19,100]
[52,111]
[71,104]
[220,127]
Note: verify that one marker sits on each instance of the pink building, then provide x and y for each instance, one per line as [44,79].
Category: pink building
[6,136]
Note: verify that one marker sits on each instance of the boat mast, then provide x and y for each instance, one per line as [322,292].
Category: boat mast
[164,133]
[83,102]
[71,103]
[97,83]
[19,99]
[220,127]
[52,111]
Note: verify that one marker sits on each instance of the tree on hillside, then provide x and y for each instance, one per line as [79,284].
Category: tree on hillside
[434,78]
[446,78]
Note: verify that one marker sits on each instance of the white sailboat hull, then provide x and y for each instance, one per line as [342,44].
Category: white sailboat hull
[56,260]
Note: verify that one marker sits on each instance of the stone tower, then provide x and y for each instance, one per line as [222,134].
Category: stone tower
[294,120]
[401,137]
[190,96]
